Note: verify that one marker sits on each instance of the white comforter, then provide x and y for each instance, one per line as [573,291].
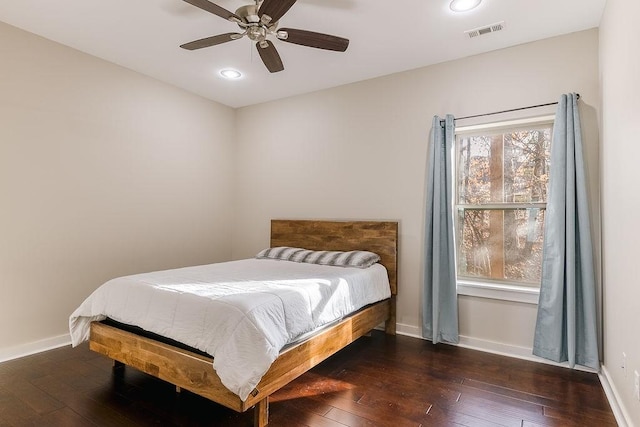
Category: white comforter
[240,312]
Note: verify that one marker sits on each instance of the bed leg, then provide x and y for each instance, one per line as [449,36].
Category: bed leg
[390,324]
[117,369]
[261,413]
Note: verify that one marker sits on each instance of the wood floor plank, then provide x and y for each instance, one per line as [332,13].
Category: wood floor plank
[380,380]
[443,417]
[490,412]
[14,411]
[293,415]
[601,418]
[483,387]
[431,390]
[93,406]
[64,417]
[35,398]
[378,415]
[306,404]
[349,419]
[409,374]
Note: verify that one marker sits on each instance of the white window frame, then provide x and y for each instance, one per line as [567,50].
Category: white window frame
[495,290]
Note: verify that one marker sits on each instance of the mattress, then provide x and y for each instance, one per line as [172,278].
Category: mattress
[240,312]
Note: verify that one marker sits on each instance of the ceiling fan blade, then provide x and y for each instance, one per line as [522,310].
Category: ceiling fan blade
[317,40]
[270,56]
[215,9]
[211,41]
[275,9]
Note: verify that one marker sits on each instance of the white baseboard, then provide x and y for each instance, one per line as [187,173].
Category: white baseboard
[408,330]
[619,411]
[487,346]
[478,344]
[34,347]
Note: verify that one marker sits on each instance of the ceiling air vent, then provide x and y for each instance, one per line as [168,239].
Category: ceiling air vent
[485,30]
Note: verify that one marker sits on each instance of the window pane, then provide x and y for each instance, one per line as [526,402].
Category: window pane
[509,167]
[500,244]
[474,184]
[526,160]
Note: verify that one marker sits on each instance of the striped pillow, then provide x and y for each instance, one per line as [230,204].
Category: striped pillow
[360,259]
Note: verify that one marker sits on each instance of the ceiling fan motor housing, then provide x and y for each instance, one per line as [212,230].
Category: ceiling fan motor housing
[249,14]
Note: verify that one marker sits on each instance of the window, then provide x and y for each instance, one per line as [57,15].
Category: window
[502,171]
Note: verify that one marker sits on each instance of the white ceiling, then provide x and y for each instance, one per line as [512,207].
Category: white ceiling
[385,37]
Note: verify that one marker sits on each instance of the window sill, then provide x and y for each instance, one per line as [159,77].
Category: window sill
[499,291]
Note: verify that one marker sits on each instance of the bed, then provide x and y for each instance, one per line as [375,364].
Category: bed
[193,370]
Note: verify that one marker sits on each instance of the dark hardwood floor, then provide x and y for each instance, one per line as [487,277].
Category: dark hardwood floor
[377,381]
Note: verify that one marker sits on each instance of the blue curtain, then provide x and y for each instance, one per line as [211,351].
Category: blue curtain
[566,323]
[440,303]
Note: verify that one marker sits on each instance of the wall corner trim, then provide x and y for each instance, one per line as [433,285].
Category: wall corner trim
[617,407]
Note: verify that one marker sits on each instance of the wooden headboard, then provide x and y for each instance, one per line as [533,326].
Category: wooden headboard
[380,237]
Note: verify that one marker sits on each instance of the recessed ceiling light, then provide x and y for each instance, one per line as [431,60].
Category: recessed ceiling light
[231,74]
[463,5]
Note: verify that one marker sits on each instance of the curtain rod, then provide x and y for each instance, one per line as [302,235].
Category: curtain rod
[507,111]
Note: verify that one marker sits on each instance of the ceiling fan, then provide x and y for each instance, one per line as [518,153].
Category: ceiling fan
[259,20]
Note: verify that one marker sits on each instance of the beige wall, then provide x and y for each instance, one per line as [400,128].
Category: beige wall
[358,151]
[103,172]
[620,80]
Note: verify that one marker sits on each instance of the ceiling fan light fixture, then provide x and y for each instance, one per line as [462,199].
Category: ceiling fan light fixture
[464,5]
[231,74]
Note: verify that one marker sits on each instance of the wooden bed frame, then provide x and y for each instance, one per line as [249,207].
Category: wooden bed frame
[194,372]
